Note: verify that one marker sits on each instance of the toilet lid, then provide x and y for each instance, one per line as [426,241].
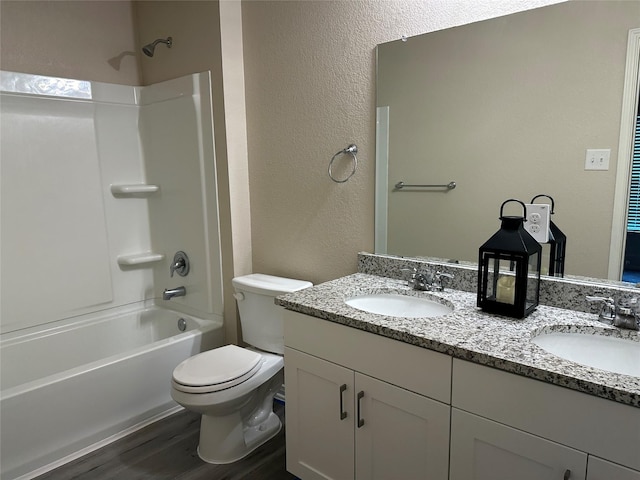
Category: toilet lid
[216,369]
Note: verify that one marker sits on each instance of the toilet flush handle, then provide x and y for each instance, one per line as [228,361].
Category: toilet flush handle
[239,296]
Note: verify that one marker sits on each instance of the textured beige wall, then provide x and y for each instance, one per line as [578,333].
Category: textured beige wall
[310,85]
[85,40]
[195,28]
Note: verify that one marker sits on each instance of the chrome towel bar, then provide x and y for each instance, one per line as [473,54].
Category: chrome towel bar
[448,186]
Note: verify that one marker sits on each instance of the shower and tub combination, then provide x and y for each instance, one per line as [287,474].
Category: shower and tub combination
[90,177]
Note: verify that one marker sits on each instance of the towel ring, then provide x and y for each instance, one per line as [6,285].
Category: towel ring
[351,150]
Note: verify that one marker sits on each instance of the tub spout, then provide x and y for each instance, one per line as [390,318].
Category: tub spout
[169,293]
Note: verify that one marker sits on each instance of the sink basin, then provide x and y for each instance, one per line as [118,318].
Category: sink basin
[396,305]
[612,354]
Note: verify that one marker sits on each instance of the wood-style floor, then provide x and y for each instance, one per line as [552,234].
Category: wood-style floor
[167,450]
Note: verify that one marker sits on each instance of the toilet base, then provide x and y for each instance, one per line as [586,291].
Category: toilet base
[223,440]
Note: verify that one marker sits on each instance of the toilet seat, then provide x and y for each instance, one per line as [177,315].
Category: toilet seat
[216,370]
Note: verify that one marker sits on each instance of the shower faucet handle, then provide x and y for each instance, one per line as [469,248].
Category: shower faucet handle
[180,264]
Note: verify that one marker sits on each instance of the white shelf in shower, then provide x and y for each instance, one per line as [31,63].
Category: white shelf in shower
[134,189]
[142,258]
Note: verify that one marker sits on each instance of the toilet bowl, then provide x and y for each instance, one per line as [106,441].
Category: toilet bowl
[233,387]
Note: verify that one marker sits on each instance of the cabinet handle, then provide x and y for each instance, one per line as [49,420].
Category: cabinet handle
[567,474]
[343,414]
[360,420]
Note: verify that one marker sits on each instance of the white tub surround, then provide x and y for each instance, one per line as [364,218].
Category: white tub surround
[101,185]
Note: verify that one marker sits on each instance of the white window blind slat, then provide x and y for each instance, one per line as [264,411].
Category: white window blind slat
[633,216]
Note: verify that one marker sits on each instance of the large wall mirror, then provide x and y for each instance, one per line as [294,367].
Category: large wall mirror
[505,108]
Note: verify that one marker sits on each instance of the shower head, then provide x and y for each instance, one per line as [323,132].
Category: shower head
[150,48]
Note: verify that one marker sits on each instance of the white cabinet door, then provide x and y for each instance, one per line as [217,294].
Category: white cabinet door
[599,469]
[319,417]
[399,434]
[485,450]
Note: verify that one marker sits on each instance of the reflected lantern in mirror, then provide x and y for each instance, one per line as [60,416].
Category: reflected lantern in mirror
[509,269]
[557,244]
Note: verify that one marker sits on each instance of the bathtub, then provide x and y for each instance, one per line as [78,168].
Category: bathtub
[70,388]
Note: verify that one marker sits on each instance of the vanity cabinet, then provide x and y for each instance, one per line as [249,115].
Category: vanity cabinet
[485,450]
[345,423]
[428,415]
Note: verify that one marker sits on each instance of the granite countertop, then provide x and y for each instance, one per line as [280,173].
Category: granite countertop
[470,334]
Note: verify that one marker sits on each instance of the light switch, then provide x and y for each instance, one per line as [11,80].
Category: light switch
[597,159]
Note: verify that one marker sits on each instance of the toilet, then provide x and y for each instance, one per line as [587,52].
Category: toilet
[233,387]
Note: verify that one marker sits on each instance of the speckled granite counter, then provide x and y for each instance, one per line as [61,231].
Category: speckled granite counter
[470,334]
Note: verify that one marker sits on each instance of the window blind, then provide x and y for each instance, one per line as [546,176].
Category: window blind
[633,217]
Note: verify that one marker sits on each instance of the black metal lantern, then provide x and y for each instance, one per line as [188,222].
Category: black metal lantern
[557,244]
[509,269]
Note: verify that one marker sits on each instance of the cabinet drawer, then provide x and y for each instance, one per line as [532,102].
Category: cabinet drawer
[599,469]
[605,428]
[416,369]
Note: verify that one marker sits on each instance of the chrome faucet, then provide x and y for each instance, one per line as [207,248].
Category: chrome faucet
[437,284]
[425,281]
[180,264]
[420,280]
[607,308]
[169,293]
[626,314]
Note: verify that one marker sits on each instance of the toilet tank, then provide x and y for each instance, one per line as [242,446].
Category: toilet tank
[260,317]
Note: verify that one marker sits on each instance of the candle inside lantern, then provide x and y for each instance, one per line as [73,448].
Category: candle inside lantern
[506,289]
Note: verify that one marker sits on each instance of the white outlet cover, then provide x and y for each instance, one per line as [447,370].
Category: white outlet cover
[538,220]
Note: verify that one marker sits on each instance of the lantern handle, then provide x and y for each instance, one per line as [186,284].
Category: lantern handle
[524,207]
[543,195]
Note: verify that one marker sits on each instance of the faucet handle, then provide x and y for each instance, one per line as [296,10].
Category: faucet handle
[409,274]
[607,309]
[597,299]
[408,271]
[439,279]
[628,314]
[423,281]
[180,264]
